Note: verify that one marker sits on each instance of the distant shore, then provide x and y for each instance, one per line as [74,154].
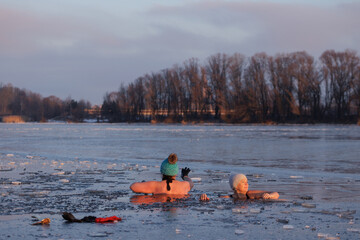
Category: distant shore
[21,119]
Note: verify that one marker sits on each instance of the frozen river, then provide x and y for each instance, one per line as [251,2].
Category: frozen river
[87,168]
[308,148]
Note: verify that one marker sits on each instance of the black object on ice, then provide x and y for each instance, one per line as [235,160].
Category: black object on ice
[88,219]
[306,197]
[70,218]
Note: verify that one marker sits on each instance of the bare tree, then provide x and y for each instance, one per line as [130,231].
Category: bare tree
[193,84]
[6,97]
[217,69]
[177,90]
[307,85]
[130,104]
[206,94]
[139,96]
[53,107]
[338,69]
[152,95]
[123,102]
[169,91]
[110,107]
[135,101]
[257,95]
[173,91]
[236,68]
[356,92]
[282,79]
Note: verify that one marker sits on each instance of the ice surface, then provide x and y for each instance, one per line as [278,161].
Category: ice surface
[87,168]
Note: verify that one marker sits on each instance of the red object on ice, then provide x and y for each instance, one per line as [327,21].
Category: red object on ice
[108,219]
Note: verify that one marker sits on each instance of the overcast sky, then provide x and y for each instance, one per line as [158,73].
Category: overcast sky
[85,48]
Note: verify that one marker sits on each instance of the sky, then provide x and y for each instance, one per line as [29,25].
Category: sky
[85,48]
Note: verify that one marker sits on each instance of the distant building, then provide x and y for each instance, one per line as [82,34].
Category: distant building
[12,119]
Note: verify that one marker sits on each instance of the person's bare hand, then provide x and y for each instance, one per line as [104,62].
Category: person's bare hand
[273,195]
[204,197]
[266,196]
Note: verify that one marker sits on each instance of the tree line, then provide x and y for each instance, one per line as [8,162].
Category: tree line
[33,107]
[286,88]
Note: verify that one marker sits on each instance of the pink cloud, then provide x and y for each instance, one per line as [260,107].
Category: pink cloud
[24,33]
[16,28]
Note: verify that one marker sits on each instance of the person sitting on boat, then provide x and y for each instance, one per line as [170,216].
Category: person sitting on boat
[239,184]
[169,185]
